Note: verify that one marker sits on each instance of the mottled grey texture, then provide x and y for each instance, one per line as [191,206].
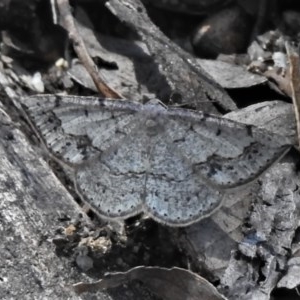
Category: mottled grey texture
[173,164]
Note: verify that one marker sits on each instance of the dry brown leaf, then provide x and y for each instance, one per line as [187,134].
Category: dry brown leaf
[294,72]
[169,284]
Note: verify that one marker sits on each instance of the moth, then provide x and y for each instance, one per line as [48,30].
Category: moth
[173,164]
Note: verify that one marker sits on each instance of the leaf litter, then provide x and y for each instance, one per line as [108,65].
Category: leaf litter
[226,240]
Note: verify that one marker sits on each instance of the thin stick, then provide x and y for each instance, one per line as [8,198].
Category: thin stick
[294,72]
[81,51]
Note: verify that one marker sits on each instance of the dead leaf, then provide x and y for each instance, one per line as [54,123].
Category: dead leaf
[134,74]
[173,284]
[294,72]
[185,78]
[231,76]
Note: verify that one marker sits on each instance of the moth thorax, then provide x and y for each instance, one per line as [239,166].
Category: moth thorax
[153,127]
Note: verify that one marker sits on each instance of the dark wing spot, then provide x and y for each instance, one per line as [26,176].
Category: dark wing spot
[181,140]
[101,101]
[249,130]
[57,101]
[9,136]
[83,151]
[213,170]
[204,116]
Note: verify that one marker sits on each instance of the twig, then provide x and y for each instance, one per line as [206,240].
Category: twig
[81,51]
[53,10]
[294,72]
